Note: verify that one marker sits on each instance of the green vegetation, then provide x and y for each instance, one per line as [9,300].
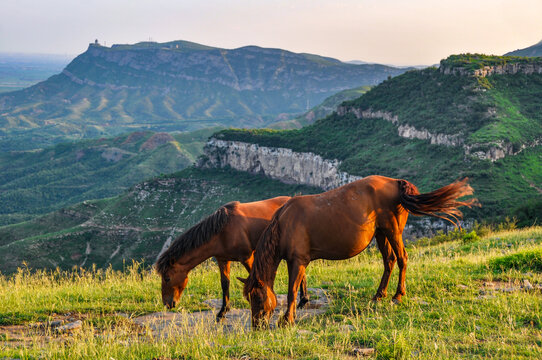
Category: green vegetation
[176,86]
[38,182]
[479,61]
[456,306]
[372,146]
[526,260]
[482,111]
[134,225]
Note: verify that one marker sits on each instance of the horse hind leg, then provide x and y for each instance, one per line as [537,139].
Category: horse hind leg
[389,259]
[303,293]
[396,241]
[224,267]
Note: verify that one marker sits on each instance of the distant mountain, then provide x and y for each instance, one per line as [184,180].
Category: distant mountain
[357,62]
[531,51]
[38,182]
[177,86]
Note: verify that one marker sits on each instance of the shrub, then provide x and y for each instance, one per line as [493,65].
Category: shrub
[527,260]
[470,237]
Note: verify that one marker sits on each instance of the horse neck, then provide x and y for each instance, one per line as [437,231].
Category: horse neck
[265,269]
[196,256]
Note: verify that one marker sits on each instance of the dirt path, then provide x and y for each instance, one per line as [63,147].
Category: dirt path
[166,324]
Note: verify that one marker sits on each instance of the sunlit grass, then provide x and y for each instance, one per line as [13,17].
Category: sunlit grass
[444,315]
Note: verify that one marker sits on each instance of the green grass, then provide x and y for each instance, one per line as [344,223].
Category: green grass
[523,260]
[443,315]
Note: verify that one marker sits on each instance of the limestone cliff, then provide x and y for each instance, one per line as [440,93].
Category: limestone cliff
[505,69]
[277,163]
[485,151]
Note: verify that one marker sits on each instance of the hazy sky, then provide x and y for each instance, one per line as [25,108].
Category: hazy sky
[403,32]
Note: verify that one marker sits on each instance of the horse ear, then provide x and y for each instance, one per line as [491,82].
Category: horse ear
[244,281]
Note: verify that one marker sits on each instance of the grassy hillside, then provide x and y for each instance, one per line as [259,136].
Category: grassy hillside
[483,110]
[322,110]
[40,181]
[465,299]
[177,86]
[134,225]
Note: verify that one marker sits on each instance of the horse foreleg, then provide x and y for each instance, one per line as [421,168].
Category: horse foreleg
[224,267]
[389,259]
[396,242]
[296,273]
[303,293]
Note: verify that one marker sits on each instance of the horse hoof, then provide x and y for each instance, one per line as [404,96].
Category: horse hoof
[221,315]
[283,322]
[302,303]
[396,301]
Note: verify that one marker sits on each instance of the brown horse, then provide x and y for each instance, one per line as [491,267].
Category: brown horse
[340,224]
[229,234]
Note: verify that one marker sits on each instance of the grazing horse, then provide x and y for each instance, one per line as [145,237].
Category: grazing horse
[229,234]
[340,224]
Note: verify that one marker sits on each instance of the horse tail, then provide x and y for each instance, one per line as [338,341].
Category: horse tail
[267,254]
[441,203]
[195,237]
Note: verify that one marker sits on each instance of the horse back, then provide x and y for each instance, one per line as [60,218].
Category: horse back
[248,220]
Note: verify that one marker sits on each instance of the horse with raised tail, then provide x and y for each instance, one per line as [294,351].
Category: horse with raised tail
[229,234]
[339,224]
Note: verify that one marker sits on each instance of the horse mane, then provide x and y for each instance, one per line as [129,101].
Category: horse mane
[266,255]
[195,237]
[441,201]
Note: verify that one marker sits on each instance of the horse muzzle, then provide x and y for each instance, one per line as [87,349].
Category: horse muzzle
[170,303]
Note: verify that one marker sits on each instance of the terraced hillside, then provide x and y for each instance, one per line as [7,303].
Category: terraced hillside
[177,86]
[434,126]
[38,182]
[134,225]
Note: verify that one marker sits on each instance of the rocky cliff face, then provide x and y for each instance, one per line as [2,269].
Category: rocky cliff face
[277,163]
[484,151]
[404,130]
[505,69]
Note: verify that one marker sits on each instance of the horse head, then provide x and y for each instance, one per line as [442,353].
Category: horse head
[262,299]
[174,281]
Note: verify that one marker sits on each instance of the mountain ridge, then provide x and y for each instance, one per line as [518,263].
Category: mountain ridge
[178,86]
[530,51]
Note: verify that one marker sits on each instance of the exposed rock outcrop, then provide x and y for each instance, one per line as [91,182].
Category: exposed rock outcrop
[404,130]
[505,69]
[277,163]
[492,151]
